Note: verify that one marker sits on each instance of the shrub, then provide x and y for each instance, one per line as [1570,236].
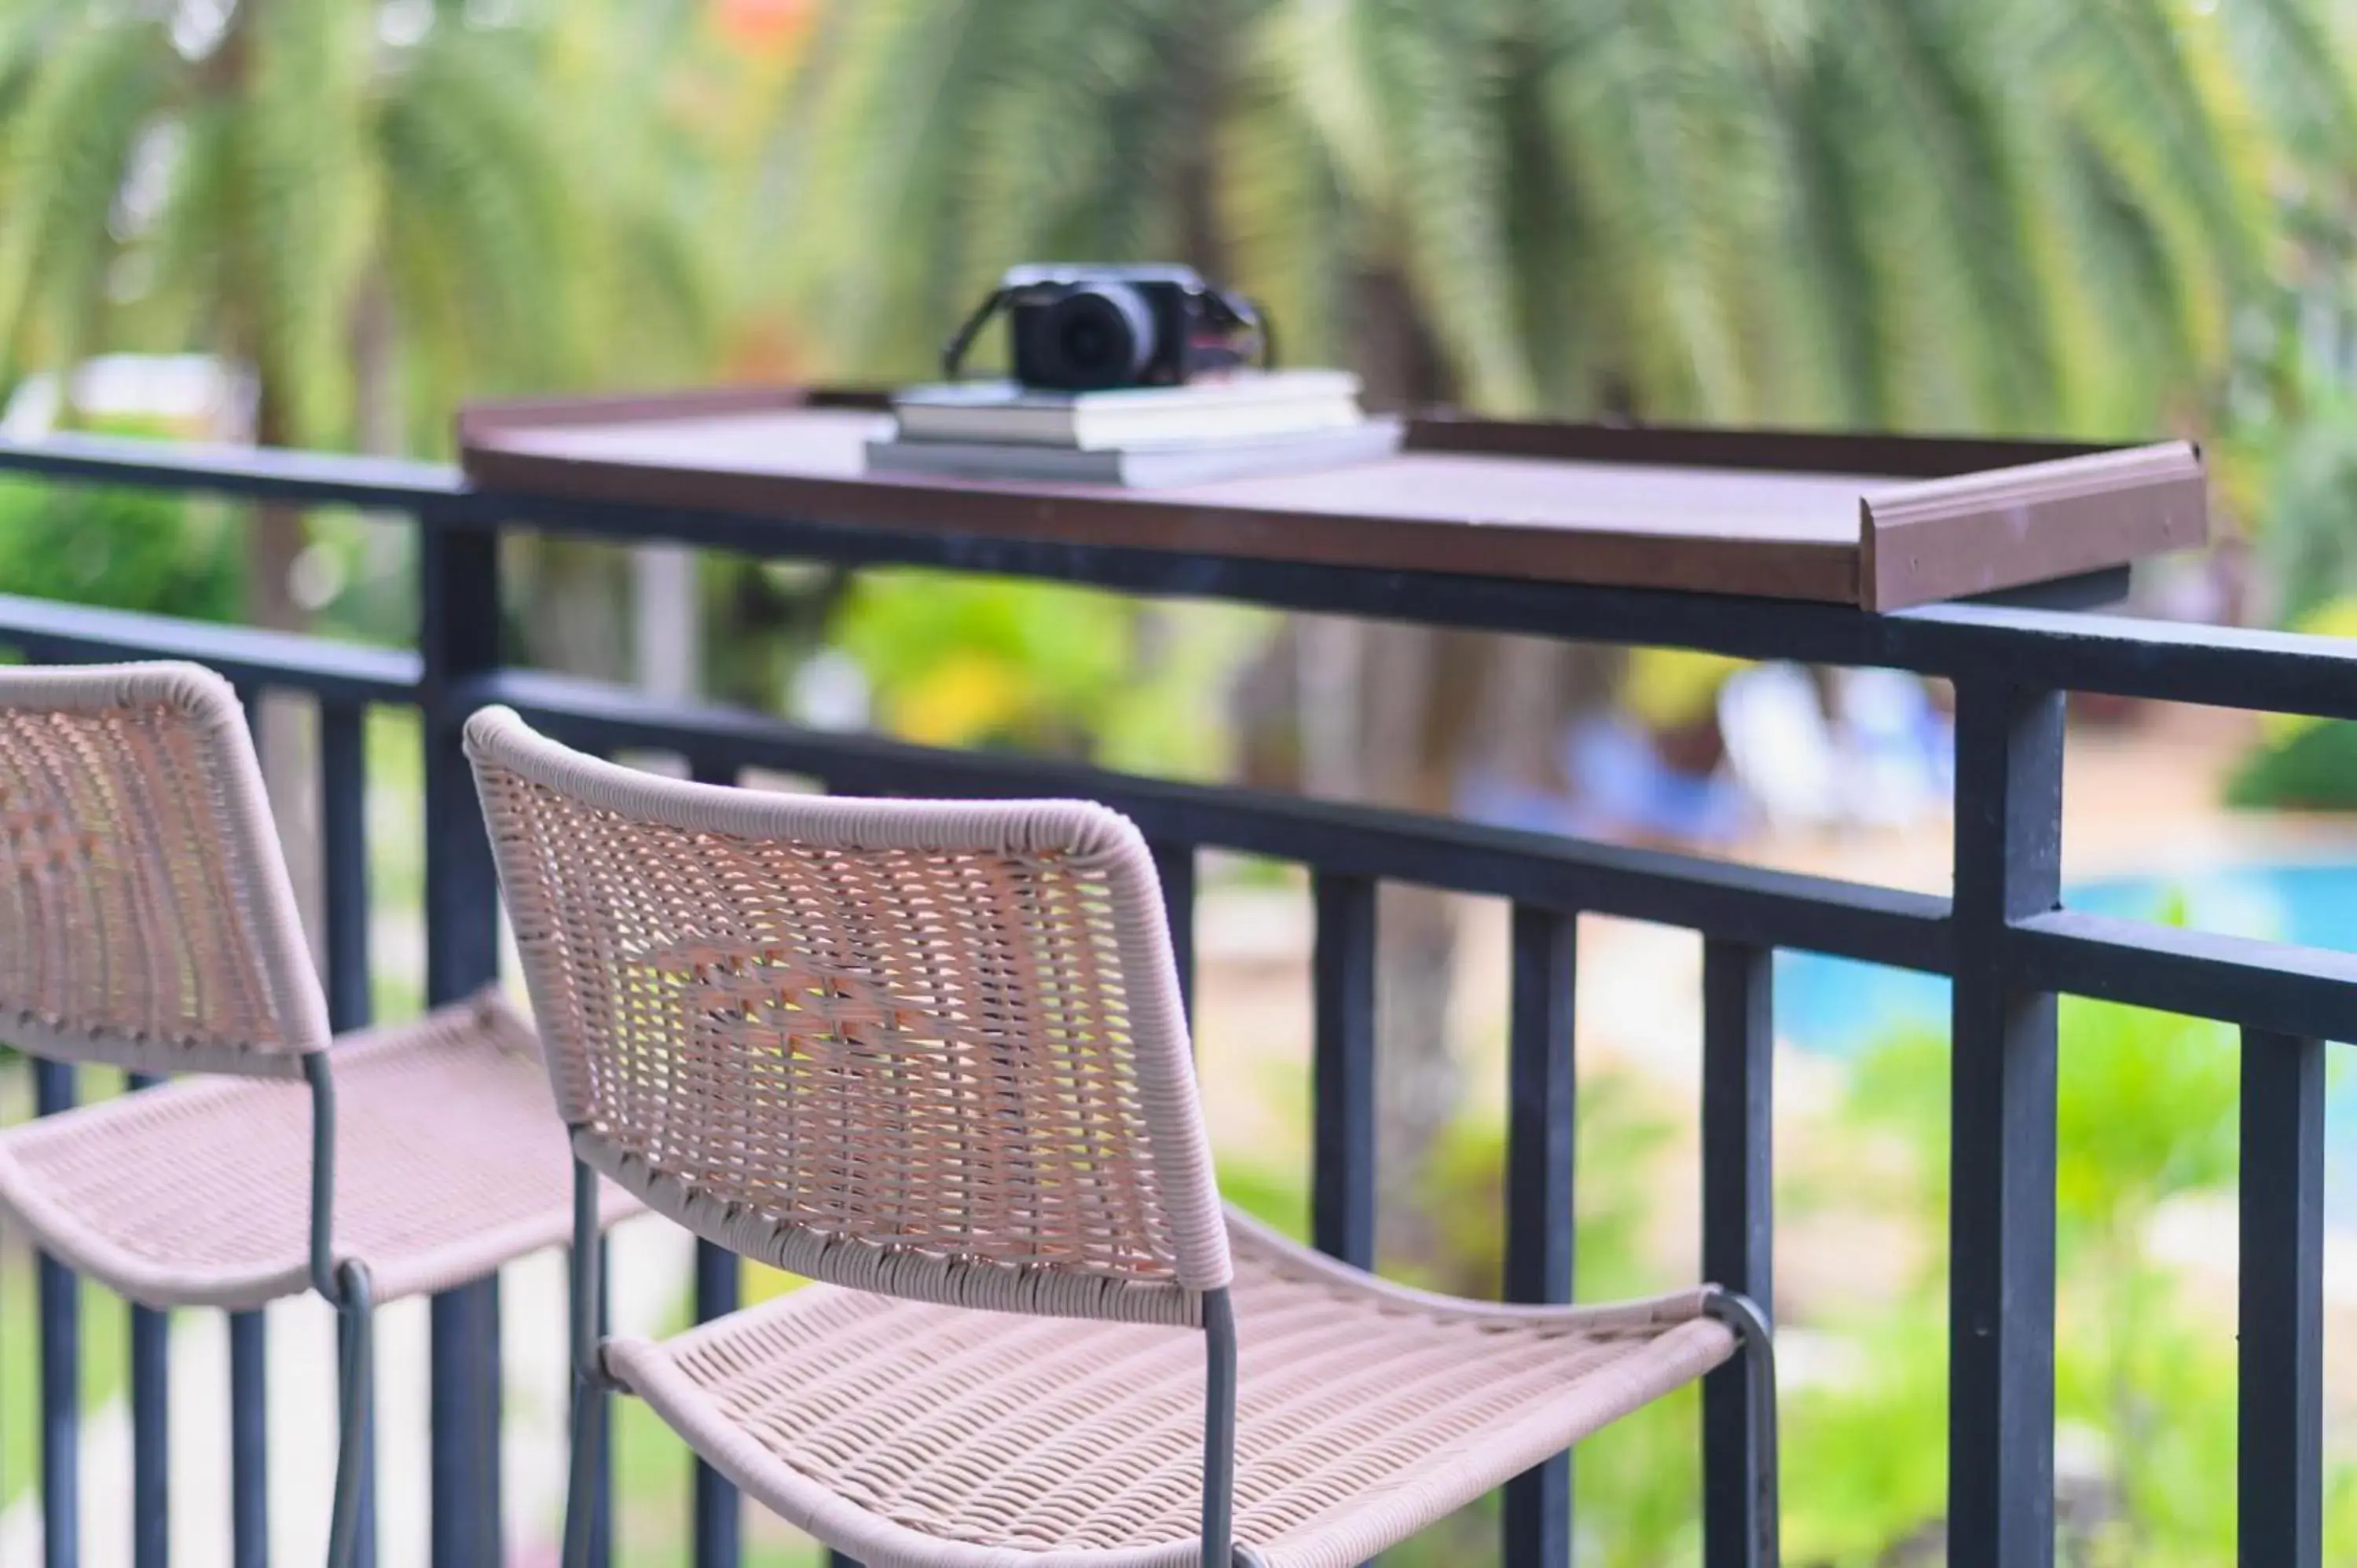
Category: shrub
[2312,769]
[120,549]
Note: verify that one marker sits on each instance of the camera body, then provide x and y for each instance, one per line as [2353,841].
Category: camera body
[1093,329]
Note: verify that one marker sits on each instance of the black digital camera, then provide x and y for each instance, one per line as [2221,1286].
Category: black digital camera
[1092,329]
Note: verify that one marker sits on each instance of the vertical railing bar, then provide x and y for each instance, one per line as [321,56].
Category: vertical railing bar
[151,1453]
[1342,1160]
[1738,1224]
[249,1440]
[151,1424]
[2279,1455]
[1174,866]
[2008,833]
[719,1511]
[1540,1108]
[343,834]
[459,637]
[60,1328]
[601,1521]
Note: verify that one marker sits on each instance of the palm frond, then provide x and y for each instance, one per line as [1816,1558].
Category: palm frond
[873,248]
[63,153]
[311,198]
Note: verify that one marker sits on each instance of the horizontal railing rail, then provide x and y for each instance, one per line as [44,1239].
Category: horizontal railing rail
[2003,937]
[50,632]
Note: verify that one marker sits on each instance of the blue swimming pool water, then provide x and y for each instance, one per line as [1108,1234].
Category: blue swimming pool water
[1838,1007]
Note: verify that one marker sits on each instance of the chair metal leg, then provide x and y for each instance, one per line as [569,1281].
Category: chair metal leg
[1219,1430]
[589,1382]
[1758,1344]
[356,1388]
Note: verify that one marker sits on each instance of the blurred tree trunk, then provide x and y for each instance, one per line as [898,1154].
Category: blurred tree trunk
[286,722]
[1204,59]
[575,606]
[376,403]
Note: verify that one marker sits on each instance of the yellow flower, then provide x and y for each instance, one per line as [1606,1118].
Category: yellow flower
[968,696]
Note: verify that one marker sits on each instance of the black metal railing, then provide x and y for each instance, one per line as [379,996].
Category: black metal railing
[2002,938]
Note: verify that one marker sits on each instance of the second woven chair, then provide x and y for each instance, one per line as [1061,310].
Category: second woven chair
[147,921]
[933,1054]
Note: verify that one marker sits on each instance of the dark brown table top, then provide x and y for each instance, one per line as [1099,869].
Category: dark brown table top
[1443,504]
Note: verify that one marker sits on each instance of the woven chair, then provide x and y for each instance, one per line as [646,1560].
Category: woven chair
[147,921]
[932,1055]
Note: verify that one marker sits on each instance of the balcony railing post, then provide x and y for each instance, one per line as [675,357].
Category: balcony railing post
[1342,1157]
[1738,1217]
[249,1439]
[59,1295]
[151,1426]
[343,835]
[2280,1451]
[2008,840]
[719,1511]
[1541,1100]
[1174,867]
[459,637]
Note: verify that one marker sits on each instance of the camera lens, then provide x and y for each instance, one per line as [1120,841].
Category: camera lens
[1100,335]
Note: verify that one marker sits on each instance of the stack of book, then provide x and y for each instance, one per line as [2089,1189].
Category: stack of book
[1249,423]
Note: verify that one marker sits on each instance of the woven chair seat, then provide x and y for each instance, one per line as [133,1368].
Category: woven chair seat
[450,1160]
[918,1436]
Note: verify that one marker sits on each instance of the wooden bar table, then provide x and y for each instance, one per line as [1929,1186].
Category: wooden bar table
[1877,522]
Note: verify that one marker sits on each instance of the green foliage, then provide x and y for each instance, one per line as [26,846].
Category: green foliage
[959,662]
[1623,1134]
[2312,769]
[2147,1116]
[962,662]
[1915,214]
[2144,1113]
[1865,1455]
[2309,546]
[133,549]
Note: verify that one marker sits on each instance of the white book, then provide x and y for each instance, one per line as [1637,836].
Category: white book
[1247,403]
[1141,467]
